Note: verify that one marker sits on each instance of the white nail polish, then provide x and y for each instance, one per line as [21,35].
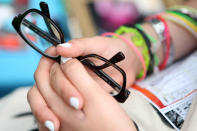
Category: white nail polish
[49,124]
[64,59]
[67,45]
[74,102]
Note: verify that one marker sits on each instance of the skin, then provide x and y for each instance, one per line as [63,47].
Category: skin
[57,83]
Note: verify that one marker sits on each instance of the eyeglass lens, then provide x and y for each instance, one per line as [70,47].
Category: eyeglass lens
[39,31]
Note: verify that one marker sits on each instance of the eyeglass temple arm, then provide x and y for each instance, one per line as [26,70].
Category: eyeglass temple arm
[115,59]
[41,33]
[120,97]
[45,10]
[102,74]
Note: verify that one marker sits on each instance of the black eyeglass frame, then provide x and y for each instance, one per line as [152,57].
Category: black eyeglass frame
[123,92]
[17,23]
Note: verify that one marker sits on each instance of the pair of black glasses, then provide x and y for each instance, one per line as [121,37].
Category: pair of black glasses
[40,32]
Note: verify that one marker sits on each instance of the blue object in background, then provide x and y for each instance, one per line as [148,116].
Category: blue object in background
[6,1]
[57,12]
[17,67]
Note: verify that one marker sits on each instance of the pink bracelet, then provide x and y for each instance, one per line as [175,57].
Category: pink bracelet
[133,47]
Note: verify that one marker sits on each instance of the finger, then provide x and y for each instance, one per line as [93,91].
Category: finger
[82,46]
[43,84]
[80,78]
[64,88]
[41,110]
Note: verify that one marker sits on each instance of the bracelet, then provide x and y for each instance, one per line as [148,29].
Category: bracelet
[193,26]
[139,41]
[153,49]
[185,16]
[168,44]
[181,23]
[160,26]
[191,12]
[134,49]
[148,44]
[152,39]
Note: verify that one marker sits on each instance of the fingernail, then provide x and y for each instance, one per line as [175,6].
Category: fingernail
[74,102]
[49,124]
[64,59]
[67,45]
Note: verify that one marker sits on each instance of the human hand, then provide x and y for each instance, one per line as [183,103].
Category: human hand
[99,112]
[105,47]
[80,47]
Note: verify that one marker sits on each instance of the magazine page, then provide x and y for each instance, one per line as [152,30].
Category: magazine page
[172,90]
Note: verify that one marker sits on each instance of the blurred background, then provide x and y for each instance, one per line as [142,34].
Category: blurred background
[76,18]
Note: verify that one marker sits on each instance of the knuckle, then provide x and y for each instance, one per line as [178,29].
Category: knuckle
[29,93]
[38,113]
[71,65]
[53,71]
[36,75]
[76,40]
[63,92]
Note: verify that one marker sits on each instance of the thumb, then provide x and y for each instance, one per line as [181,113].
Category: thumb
[81,47]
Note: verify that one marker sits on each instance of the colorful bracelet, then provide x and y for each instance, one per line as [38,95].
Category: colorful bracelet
[189,23]
[191,12]
[183,16]
[152,39]
[179,22]
[148,44]
[134,49]
[139,41]
[168,43]
[154,46]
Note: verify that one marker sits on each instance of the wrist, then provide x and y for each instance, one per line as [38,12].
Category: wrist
[135,65]
[160,51]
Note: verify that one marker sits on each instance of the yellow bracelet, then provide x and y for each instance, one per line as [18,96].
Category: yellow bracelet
[193,26]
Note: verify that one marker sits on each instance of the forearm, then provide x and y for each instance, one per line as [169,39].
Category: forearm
[182,40]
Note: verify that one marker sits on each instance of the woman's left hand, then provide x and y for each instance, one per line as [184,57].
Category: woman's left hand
[100,111]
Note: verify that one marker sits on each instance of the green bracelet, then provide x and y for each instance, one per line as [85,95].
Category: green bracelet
[154,41]
[184,16]
[138,41]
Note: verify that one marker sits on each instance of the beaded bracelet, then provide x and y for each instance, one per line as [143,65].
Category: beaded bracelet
[139,41]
